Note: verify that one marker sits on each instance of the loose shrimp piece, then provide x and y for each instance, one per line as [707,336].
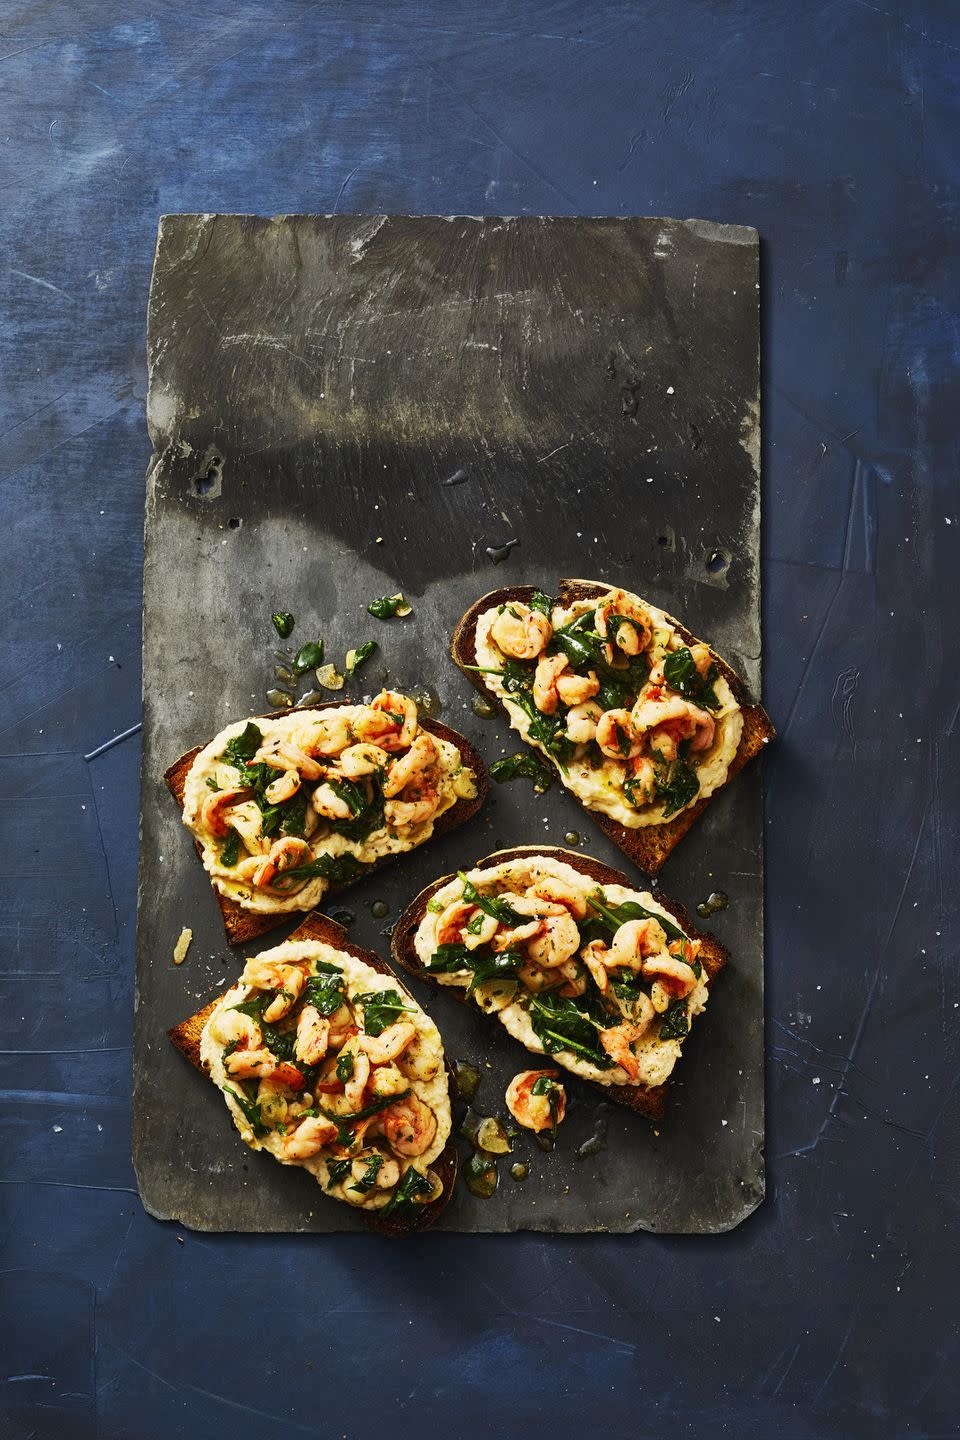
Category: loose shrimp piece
[420,758]
[453,921]
[390,721]
[594,956]
[632,633]
[668,719]
[641,780]
[212,815]
[360,760]
[633,942]
[313,1035]
[533,1111]
[520,632]
[617,1041]
[388,1173]
[309,1138]
[410,1126]
[342,1027]
[283,855]
[389,1043]
[354,1087]
[561,892]
[416,805]
[576,689]
[616,736]
[582,722]
[545,695]
[328,803]
[557,941]
[674,975]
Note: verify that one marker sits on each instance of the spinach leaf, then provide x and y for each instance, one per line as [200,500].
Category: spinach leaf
[382,1008]
[613,916]
[448,959]
[360,656]
[543,1085]
[369,1177]
[559,1024]
[482,963]
[283,623]
[516,674]
[345,1135]
[281,1043]
[674,1024]
[490,904]
[387,607]
[541,601]
[337,1172]
[525,766]
[370,817]
[308,657]
[293,814]
[550,731]
[230,851]
[345,1067]
[351,794]
[243,746]
[413,1189]
[336,869]
[251,1111]
[325,992]
[676,786]
[681,674]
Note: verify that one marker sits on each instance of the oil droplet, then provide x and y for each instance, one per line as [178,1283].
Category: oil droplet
[496,553]
[379,908]
[312,697]
[595,1142]
[572,837]
[427,700]
[717,900]
[285,676]
[482,707]
[279,699]
[342,916]
[520,1171]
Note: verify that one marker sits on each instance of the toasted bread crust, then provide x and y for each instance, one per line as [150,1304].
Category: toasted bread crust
[242,924]
[645,1100]
[649,846]
[186,1037]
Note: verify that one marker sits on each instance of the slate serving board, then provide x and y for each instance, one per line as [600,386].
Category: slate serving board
[341,407]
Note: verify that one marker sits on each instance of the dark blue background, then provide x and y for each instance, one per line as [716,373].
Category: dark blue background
[832,128]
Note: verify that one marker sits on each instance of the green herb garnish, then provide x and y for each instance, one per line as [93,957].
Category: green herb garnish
[230,850]
[283,623]
[492,905]
[543,1085]
[345,1067]
[676,786]
[337,1172]
[613,916]
[541,601]
[251,1111]
[308,657]
[335,869]
[388,606]
[243,746]
[325,992]
[369,1177]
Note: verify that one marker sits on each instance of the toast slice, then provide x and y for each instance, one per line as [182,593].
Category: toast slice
[186,1038]
[645,1100]
[649,846]
[242,924]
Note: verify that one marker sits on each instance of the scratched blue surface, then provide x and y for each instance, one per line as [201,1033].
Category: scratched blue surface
[831,126]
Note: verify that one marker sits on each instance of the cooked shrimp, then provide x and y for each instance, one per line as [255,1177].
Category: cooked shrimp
[453,921]
[285,755]
[262,1065]
[360,760]
[641,786]
[575,689]
[702,657]
[594,956]
[642,1012]
[229,1026]
[329,804]
[419,759]
[545,695]
[342,1027]
[558,940]
[287,980]
[520,632]
[673,974]
[283,789]
[212,815]
[417,804]
[615,735]
[533,977]
[389,1043]
[313,1035]
[533,1111]
[410,1126]
[327,736]
[537,909]
[617,1041]
[560,892]
[633,626]
[390,721]
[633,942]
[668,719]
[283,855]
[387,1175]
[575,981]
[388,1080]
[309,1138]
[356,1083]
[582,722]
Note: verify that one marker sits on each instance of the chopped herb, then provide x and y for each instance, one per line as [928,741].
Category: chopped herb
[345,1067]
[388,606]
[283,623]
[308,657]
[675,1023]
[523,766]
[476,924]
[681,673]
[230,852]
[212,784]
[413,1189]
[369,1177]
[356,658]
[381,1008]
